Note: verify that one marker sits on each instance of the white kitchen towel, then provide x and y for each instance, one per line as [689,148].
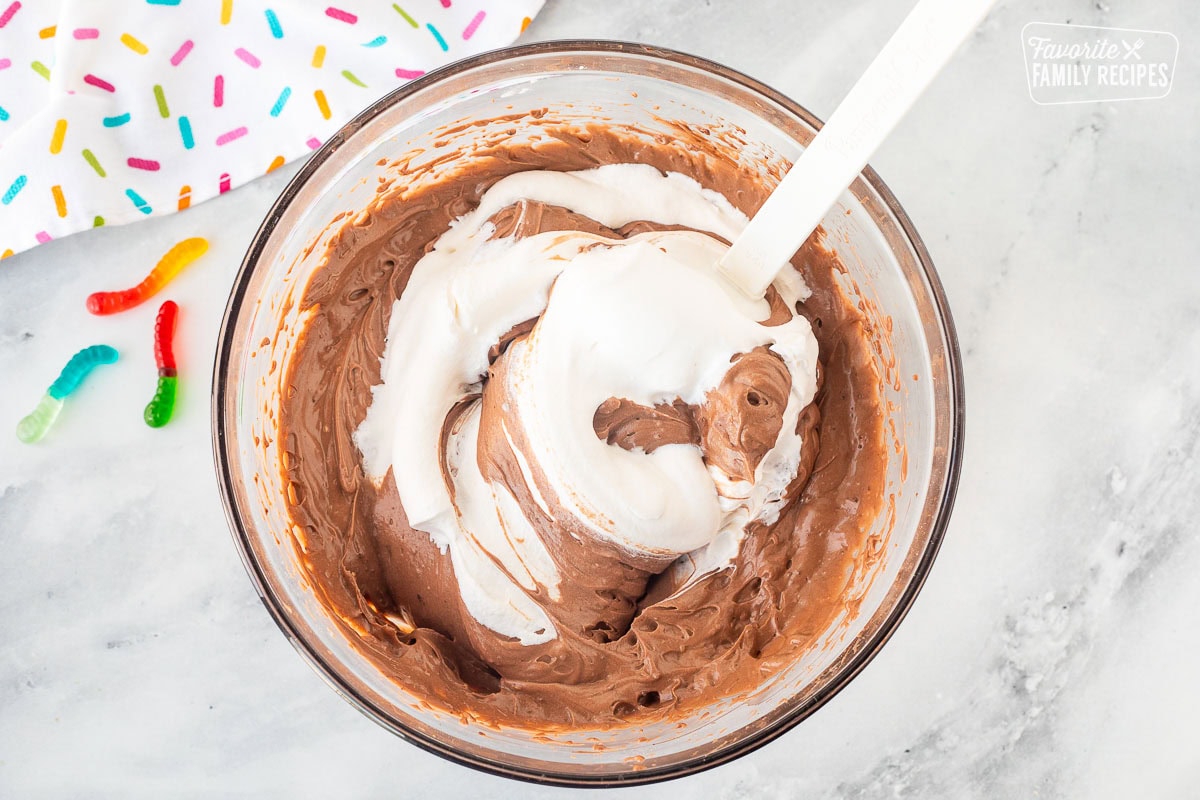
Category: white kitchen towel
[115,110]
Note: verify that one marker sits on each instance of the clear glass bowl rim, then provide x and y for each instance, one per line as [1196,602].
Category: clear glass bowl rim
[220,422]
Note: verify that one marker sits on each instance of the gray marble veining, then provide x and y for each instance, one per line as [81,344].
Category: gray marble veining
[1052,653]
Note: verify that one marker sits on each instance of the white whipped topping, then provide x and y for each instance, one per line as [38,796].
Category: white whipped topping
[648,319]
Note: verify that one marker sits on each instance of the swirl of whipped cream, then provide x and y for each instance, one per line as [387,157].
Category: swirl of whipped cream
[522,373]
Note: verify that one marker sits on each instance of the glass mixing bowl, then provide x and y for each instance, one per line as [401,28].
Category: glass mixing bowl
[890,275]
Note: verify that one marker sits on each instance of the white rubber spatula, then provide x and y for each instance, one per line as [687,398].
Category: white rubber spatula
[917,51]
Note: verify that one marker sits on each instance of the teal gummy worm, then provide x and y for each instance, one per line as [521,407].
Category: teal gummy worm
[34,426]
[78,368]
[38,422]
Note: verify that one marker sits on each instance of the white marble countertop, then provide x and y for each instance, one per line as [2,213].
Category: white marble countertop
[1053,652]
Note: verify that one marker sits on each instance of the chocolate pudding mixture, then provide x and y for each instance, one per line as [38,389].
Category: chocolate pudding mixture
[630,643]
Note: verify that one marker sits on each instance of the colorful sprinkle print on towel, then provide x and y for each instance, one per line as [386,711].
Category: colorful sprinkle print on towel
[123,109]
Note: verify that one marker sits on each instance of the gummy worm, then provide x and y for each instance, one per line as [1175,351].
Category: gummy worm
[35,425]
[160,408]
[167,268]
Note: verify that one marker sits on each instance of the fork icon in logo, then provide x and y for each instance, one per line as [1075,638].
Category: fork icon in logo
[1132,49]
